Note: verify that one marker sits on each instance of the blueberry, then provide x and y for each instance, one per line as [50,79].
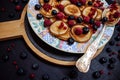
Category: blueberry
[46,1]
[39,16]
[103,60]
[45,77]
[37,7]
[90,3]
[16,1]
[23,55]
[85,30]
[70,41]
[78,4]
[35,66]
[95,27]
[71,17]
[24,1]
[117,38]
[20,71]
[108,50]
[112,60]
[65,78]
[91,21]
[111,43]
[111,66]
[54,12]
[73,74]
[96,74]
[104,19]
[5,58]
[79,19]
[11,15]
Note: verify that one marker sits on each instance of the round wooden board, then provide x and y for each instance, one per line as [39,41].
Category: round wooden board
[15,29]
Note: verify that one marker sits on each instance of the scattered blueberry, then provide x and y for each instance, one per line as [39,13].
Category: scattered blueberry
[90,3]
[21,71]
[85,30]
[5,58]
[95,27]
[45,77]
[73,74]
[11,15]
[79,19]
[117,38]
[54,12]
[108,50]
[104,19]
[96,74]
[71,17]
[78,4]
[16,1]
[37,7]
[25,1]
[65,78]
[39,16]
[111,43]
[111,66]
[23,55]
[35,66]
[91,21]
[70,41]
[46,1]
[103,60]
[112,60]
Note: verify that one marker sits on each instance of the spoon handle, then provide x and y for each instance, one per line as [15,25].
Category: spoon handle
[83,63]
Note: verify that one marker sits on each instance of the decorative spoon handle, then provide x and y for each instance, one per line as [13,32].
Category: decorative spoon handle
[83,63]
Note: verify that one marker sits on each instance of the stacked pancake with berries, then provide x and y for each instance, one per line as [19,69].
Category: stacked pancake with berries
[76,19]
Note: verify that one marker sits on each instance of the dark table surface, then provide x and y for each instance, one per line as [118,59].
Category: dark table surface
[18,62]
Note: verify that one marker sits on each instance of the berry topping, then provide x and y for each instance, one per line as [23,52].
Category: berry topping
[60,15]
[37,7]
[103,60]
[47,7]
[47,22]
[86,19]
[78,31]
[21,71]
[90,3]
[83,2]
[78,4]
[95,27]
[96,74]
[18,8]
[60,7]
[70,41]
[79,19]
[85,30]
[111,66]
[61,25]
[116,14]
[71,17]
[91,21]
[46,1]
[108,50]
[15,1]
[97,23]
[39,16]
[54,12]
[23,55]
[71,23]
[74,1]
[104,19]
[35,66]
[112,60]
[5,58]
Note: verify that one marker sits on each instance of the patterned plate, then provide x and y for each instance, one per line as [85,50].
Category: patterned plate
[43,33]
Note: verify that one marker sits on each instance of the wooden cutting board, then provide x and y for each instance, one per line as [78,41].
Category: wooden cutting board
[16,29]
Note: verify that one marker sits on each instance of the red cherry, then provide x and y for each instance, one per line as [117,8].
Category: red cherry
[47,22]
[18,8]
[71,23]
[78,31]
[60,15]
[60,7]
[86,19]
[97,23]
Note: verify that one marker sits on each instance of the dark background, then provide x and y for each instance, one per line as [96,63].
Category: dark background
[11,51]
